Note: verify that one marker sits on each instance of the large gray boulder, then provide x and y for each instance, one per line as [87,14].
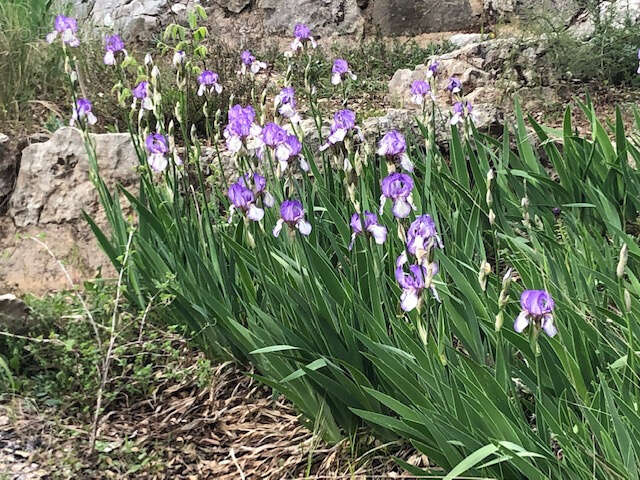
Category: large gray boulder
[324,17]
[52,190]
[408,17]
[53,185]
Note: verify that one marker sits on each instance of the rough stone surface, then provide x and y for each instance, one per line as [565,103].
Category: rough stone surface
[489,71]
[8,169]
[246,20]
[563,9]
[616,12]
[53,184]
[325,17]
[13,313]
[134,19]
[234,6]
[52,190]
[404,17]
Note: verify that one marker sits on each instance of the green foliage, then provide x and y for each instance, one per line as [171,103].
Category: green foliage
[322,324]
[374,60]
[26,69]
[608,57]
[58,360]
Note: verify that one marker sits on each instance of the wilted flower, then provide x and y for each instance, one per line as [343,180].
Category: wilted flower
[419,90]
[295,151]
[292,213]
[258,185]
[537,306]
[460,111]
[66,27]
[343,122]
[302,36]
[371,227]
[157,147]
[455,85]
[208,80]
[432,70]
[243,199]
[397,187]
[414,282]
[241,127]
[394,147]
[141,92]
[250,62]
[179,57]
[340,68]
[112,45]
[422,236]
[82,111]
[285,102]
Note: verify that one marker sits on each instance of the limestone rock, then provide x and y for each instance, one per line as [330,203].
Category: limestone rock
[234,6]
[324,17]
[53,185]
[13,313]
[403,17]
[52,190]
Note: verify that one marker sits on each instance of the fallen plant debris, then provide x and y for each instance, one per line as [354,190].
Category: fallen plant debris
[234,428]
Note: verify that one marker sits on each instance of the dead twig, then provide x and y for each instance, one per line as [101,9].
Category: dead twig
[112,341]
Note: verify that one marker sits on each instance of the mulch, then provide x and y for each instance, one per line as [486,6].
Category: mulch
[233,429]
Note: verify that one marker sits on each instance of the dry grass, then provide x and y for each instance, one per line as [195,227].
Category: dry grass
[233,429]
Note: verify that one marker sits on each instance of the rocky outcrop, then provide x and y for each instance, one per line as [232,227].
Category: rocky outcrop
[53,185]
[13,314]
[250,20]
[490,71]
[403,17]
[52,190]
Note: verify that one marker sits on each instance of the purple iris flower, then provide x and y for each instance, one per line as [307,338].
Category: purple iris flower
[82,111]
[157,148]
[455,85]
[432,70]
[371,226]
[66,27]
[414,282]
[397,187]
[112,45]
[460,111]
[537,306]
[250,62]
[343,122]
[302,35]
[141,92]
[258,185]
[340,68]
[208,81]
[422,236]
[292,213]
[241,127]
[394,147]
[419,90]
[243,199]
[285,102]
[638,72]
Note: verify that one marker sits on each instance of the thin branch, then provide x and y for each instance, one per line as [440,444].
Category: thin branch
[112,341]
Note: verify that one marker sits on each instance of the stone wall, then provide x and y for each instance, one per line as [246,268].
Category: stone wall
[255,19]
